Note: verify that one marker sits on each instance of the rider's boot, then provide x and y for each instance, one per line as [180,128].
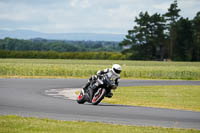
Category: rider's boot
[86,86]
[109,94]
[92,78]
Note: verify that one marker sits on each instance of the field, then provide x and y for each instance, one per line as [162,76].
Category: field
[58,68]
[16,124]
[173,97]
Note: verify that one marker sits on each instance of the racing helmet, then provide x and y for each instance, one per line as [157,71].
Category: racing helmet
[116,68]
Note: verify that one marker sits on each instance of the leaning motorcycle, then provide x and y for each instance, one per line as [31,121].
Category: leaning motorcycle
[96,96]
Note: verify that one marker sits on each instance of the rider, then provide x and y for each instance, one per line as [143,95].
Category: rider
[113,73]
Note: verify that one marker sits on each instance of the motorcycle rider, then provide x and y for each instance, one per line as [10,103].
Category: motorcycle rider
[113,73]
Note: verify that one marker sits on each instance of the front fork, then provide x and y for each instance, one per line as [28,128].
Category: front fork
[92,90]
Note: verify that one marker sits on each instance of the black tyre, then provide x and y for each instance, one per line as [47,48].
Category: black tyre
[98,96]
[81,98]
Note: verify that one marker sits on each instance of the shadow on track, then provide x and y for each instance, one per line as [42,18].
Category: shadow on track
[112,105]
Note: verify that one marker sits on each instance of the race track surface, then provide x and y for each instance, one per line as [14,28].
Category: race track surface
[25,97]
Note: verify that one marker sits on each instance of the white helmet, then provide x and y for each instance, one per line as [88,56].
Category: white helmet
[116,68]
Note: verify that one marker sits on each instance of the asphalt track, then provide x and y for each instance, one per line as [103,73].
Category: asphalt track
[25,97]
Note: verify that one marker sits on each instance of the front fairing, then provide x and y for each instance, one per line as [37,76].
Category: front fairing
[108,82]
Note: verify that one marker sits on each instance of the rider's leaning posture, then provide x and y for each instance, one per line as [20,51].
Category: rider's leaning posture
[113,74]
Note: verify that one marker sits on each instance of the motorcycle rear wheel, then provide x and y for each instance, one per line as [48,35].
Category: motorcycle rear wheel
[81,98]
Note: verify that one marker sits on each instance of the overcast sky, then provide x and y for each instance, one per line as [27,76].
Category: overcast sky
[93,16]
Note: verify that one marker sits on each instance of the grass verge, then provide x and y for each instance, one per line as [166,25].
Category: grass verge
[172,97]
[57,68]
[16,124]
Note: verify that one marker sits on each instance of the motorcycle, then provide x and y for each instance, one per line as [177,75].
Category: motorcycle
[96,96]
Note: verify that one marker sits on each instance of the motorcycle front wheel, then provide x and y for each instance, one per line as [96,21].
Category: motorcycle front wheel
[98,96]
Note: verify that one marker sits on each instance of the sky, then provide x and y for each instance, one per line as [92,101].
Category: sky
[83,16]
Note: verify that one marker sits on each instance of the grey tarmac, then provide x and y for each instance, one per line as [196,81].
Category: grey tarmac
[26,97]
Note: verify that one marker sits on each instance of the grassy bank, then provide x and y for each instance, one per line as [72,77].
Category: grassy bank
[173,97]
[85,68]
[15,124]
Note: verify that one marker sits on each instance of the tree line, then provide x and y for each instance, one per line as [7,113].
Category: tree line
[166,36]
[39,44]
[64,55]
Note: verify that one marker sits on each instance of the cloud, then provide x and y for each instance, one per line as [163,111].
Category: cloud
[80,3]
[114,16]
[189,8]
[162,6]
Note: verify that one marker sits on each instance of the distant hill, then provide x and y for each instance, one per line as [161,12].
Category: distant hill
[28,34]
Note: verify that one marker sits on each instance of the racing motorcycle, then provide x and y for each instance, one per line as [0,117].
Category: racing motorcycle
[97,95]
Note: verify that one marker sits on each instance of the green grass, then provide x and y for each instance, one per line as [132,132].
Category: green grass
[173,97]
[16,124]
[57,68]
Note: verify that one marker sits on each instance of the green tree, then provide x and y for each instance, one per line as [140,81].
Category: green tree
[184,41]
[172,17]
[158,37]
[147,38]
[196,38]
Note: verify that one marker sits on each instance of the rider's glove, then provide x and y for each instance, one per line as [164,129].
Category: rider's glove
[100,76]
